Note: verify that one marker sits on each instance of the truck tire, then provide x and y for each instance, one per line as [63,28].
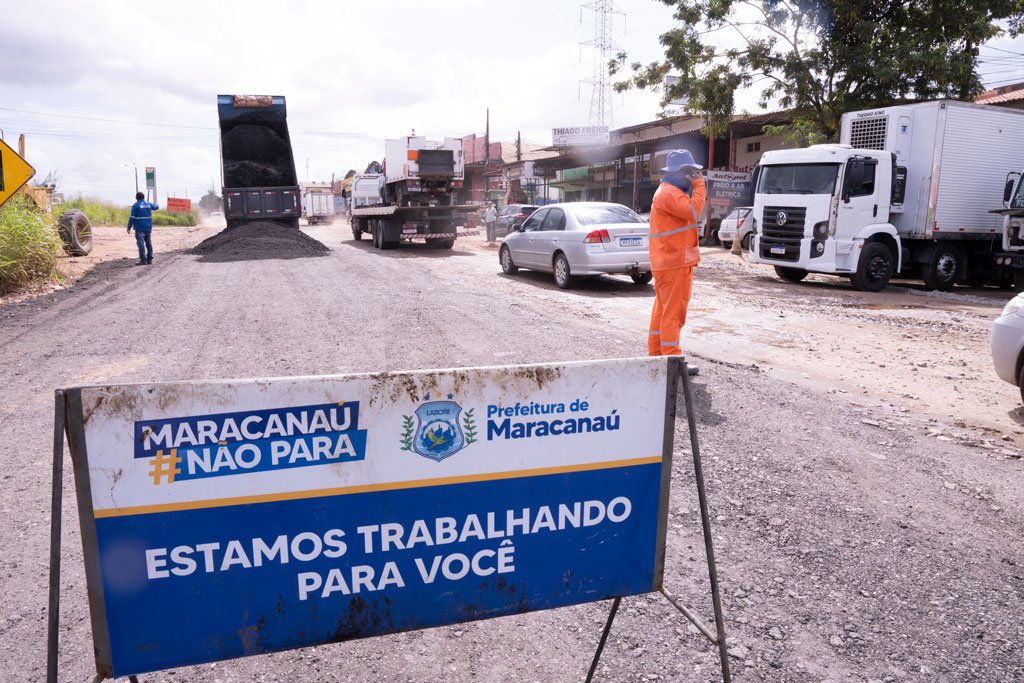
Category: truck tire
[357,234]
[1018,281]
[874,268]
[76,232]
[375,232]
[790,274]
[944,268]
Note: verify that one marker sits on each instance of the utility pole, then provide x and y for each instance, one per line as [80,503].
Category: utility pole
[487,152]
[519,146]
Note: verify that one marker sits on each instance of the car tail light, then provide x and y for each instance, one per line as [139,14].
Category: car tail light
[522,215]
[740,224]
[456,183]
[597,237]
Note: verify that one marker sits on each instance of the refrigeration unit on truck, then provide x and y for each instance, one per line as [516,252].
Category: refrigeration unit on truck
[413,195]
[258,171]
[909,191]
[1012,214]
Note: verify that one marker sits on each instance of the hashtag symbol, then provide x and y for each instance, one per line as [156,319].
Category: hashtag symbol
[165,466]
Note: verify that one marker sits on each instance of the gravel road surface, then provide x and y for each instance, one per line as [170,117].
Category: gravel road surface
[867,524]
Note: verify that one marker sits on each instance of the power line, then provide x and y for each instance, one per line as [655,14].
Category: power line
[999,49]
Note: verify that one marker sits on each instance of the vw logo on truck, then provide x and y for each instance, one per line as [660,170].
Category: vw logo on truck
[781,217]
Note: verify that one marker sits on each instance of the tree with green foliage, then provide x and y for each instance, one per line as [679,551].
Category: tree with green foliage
[211,202]
[820,59]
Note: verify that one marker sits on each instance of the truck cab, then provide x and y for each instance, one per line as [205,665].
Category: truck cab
[826,209]
[1013,229]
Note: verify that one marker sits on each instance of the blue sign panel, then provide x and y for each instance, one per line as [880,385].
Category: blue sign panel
[269,515]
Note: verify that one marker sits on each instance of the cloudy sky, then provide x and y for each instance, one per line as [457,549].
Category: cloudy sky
[101,86]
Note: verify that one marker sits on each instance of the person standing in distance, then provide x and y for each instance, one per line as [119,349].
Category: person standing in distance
[674,250]
[490,220]
[141,219]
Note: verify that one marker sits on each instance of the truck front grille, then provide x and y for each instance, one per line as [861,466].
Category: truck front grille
[784,222]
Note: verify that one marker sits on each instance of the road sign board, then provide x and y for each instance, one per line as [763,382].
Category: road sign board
[177,204]
[14,172]
[223,519]
[150,177]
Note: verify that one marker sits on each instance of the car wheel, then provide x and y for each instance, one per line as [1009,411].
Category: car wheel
[641,278]
[1020,383]
[745,243]
[790,274]
[505,257]
[563,276]
[874,268]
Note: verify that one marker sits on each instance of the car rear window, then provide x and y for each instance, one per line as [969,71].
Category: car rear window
[605,215]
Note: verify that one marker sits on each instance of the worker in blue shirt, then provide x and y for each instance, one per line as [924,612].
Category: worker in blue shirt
[142,220]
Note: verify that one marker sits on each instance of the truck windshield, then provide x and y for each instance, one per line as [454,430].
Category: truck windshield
[1018,199]
[798,179]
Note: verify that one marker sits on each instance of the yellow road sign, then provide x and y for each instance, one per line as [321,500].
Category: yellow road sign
[14,172]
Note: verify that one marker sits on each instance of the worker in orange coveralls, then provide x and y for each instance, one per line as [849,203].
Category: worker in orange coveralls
[674,250]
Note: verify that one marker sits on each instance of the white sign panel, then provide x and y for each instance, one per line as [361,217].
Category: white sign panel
[579,136]
[229,518]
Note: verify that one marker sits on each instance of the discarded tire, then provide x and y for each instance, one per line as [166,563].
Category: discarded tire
[76,232]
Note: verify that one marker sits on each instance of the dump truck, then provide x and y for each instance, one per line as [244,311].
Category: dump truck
[412,195]
[910,191]
[257,167]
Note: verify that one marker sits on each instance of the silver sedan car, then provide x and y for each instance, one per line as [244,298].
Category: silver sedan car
[580,239]
[1008,343]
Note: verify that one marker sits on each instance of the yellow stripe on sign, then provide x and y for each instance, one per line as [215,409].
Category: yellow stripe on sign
[366,488]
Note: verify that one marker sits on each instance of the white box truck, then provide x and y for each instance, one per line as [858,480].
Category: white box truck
[413,195]
[318,205]
[910,191]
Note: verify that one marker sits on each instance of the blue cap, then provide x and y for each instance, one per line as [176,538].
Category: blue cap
[679,159]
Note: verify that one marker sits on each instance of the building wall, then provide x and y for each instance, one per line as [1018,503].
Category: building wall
[745,159]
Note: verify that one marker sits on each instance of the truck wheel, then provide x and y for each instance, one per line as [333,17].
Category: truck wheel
[1018,281]
[563,276]
[444,244]
[357,234]
[790,274]
[75,231]
[874,268]
[505,257]
[942,271]
[376,233]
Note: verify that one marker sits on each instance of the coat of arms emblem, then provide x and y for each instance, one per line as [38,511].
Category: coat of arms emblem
[438,430]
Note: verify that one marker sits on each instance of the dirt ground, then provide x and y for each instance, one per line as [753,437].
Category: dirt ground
[864,501]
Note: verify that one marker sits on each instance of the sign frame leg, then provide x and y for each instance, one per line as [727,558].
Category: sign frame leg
[56,507]
[705,520]
[604,638]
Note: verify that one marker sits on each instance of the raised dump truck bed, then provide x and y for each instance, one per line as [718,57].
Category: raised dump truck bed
[257,166]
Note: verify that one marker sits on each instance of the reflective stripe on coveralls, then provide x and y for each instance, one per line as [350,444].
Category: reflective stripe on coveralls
[674,253]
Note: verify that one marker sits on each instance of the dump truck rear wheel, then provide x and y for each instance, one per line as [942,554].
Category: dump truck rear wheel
[76,232]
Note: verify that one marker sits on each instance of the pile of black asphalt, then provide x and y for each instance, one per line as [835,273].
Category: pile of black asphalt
[259,240]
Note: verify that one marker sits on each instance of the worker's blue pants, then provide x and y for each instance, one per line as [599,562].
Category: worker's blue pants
[143,239]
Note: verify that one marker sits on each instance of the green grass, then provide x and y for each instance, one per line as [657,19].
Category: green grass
[104,213]
[30,247]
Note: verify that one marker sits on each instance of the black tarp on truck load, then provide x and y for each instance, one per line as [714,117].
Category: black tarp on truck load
[258,169]
[436,162]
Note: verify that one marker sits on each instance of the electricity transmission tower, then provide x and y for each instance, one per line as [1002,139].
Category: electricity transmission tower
[604,46]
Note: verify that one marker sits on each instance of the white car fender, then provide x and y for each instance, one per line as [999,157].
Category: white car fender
[869,231]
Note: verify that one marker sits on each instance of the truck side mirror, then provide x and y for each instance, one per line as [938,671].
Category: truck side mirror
[854,178]
[1008,191]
